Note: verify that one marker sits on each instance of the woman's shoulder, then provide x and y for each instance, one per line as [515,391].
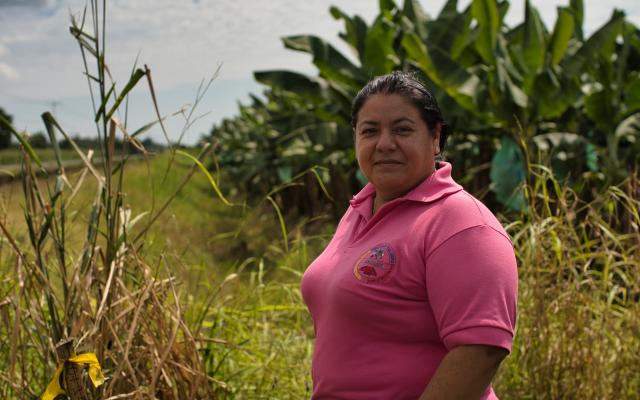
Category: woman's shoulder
[463,204]
[458,212]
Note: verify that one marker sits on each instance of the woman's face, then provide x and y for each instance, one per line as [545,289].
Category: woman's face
[395,149]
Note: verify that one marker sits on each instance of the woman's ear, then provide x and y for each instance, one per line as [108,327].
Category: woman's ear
[436,139]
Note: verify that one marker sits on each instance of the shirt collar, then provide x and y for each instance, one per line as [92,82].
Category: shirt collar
[439,184]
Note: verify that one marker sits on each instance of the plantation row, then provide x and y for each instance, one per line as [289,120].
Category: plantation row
[513,96]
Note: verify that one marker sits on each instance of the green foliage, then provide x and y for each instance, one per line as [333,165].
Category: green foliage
[263,336]
[38,140]
[507,172]
[578,313]
[5,124]
[14,156]
[579,286]
[5,133]
[493,82]
[78,272]
[578,293]
[285,137]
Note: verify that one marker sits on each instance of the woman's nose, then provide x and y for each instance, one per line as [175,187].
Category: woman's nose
[386,141]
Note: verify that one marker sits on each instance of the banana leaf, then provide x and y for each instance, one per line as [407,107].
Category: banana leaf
[508,174]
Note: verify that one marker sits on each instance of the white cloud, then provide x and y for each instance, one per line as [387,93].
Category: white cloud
[10,38]
[36,4]
[184,41]
[7,72]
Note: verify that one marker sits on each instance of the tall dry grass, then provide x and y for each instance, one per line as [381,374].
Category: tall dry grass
[100,290]
[578,333]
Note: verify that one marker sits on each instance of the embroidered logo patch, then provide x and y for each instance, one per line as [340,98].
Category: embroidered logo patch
[375,264]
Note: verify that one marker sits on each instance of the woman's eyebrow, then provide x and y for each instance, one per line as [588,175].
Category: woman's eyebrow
[395,121]
[403,119]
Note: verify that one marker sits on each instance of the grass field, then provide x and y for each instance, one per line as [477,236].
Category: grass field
[14,155]
[236,286]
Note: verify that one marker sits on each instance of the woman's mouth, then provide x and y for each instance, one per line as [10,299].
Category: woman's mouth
[387,162]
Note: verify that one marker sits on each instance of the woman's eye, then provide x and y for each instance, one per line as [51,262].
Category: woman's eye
[403,130]
[368,131]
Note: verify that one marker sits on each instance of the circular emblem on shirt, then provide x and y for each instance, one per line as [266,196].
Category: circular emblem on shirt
[375,264]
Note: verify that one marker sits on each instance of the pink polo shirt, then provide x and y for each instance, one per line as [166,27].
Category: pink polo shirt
[392,293]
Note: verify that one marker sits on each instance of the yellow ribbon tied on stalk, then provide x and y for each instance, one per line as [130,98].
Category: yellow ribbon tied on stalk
[84,359]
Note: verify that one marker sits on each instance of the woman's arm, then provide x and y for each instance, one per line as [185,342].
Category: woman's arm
[464,373]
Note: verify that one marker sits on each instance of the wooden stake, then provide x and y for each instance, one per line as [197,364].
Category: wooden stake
[71,377]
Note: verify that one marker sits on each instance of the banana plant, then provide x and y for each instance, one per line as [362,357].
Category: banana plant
[526,80]
[512,95]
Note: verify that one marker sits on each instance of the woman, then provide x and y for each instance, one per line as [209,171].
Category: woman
[415,295]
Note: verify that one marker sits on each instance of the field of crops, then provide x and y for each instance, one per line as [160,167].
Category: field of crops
[213,289]
[180,269]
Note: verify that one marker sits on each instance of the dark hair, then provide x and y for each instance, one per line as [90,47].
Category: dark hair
[407,85]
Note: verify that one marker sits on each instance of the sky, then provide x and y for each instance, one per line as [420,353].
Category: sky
[184,43]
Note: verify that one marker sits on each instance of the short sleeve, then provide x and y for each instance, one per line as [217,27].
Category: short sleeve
[472,286]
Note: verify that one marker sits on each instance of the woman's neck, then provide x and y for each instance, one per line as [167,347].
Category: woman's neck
[379,200]
[377,203]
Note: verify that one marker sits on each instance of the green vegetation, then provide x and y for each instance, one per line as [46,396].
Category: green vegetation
[512,95]
[579,295]
[238,287]
[182,295]
[237,306]
[79,269]
[5,134]
[14,156]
